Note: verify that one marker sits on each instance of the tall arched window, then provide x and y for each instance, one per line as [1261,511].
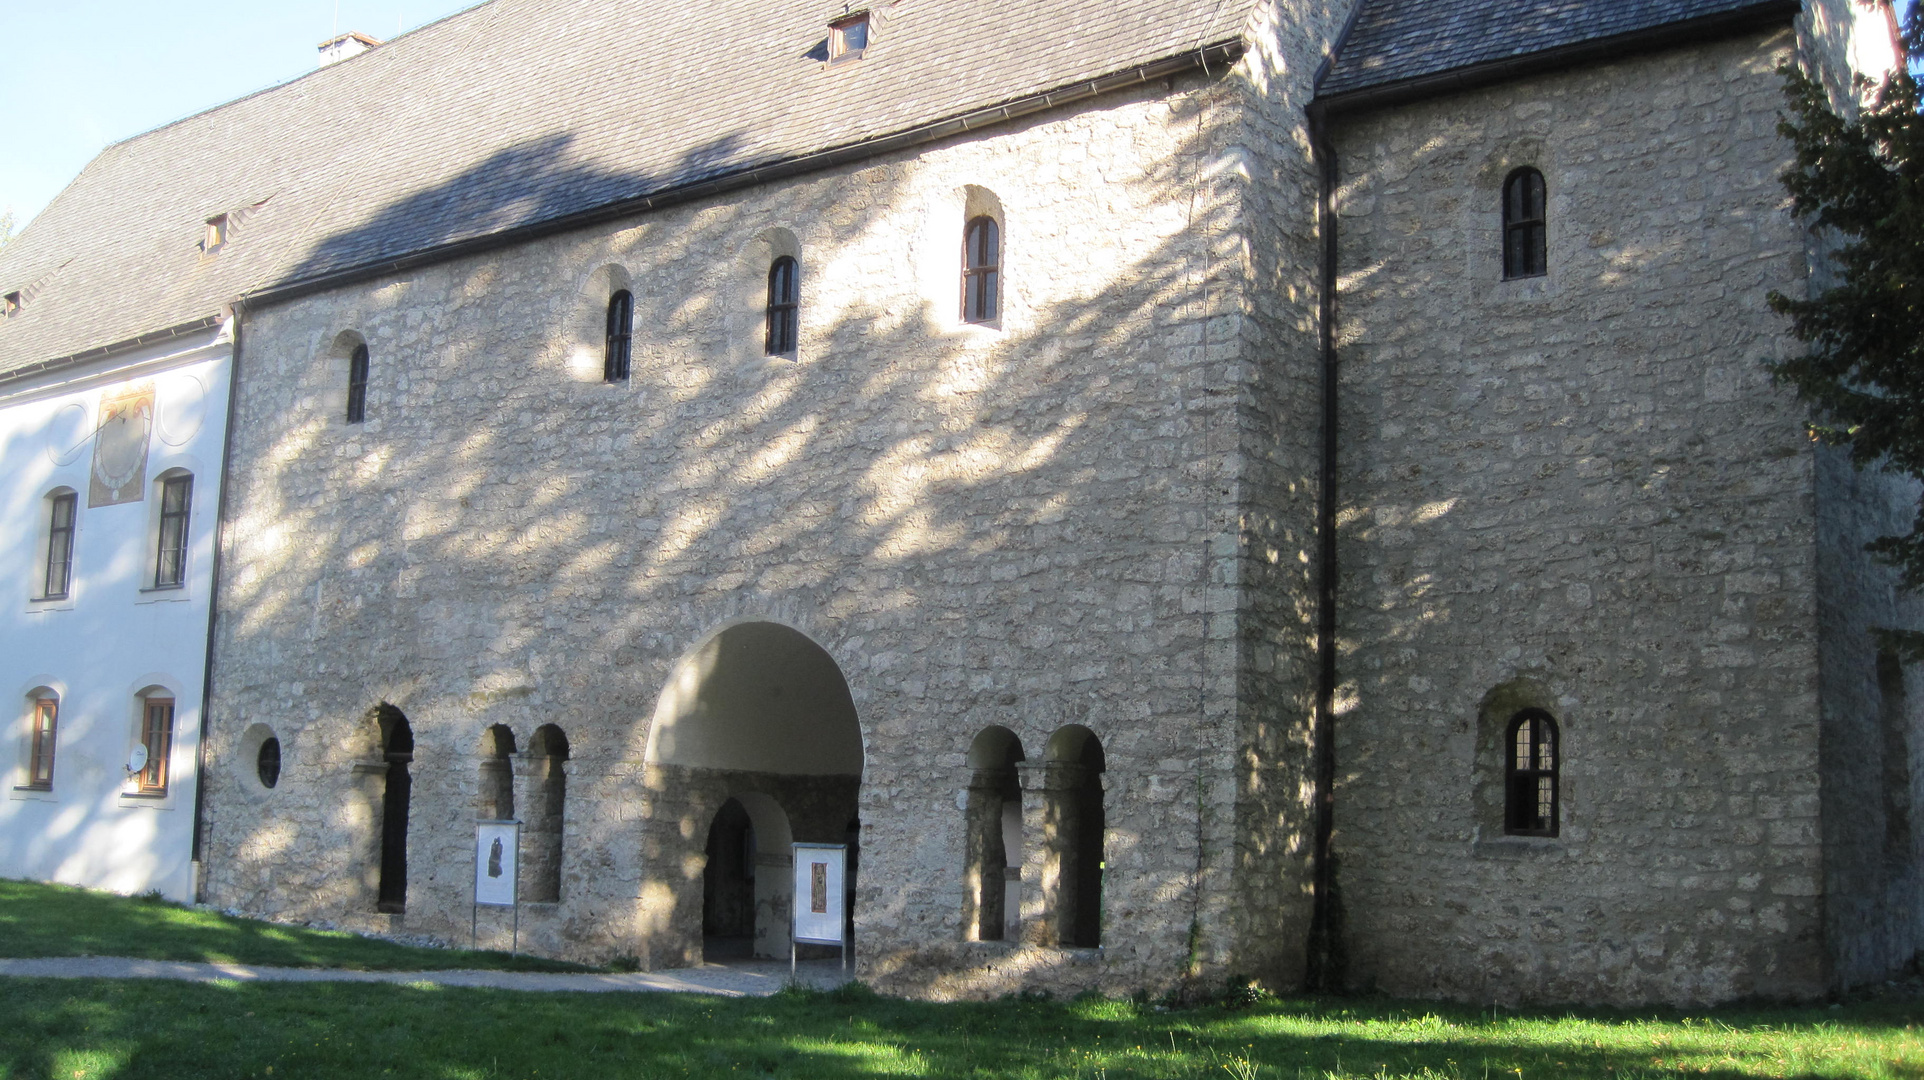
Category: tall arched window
[357,385]
[541,833]
[1525,236]
[45,719]
[981,270]
[784,308]
[1530,775]
[994,869]
[1075,826]
[496,801]
[621,331]
[397,746]
[157,738]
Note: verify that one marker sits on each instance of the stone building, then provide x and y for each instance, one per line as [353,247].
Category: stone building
[1280,489]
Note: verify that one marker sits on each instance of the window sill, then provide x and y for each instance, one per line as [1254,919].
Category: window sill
[1518,847]
[162,594]
[50,603]
[146,800]
[33,794]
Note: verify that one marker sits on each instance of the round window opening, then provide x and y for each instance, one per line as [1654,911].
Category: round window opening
[267,763]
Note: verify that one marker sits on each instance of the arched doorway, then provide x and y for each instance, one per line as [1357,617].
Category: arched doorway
[993,874]
[755,745]
[1075,825]
[397,749]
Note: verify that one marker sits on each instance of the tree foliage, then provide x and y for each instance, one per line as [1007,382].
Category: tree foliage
[1861,180]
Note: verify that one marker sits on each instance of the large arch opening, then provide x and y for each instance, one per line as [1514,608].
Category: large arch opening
[993,874]
[755,744]
[1074,824]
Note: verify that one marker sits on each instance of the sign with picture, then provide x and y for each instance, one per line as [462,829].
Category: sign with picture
[821,871]
[497,851]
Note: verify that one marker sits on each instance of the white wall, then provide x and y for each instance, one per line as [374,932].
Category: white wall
[114,636]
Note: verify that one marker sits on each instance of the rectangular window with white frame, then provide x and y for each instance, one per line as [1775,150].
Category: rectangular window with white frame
[170,561]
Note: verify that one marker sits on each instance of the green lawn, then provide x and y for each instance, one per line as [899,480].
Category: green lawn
[78,1030]
[54,920]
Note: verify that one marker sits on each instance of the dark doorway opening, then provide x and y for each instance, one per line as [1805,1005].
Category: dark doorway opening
[397,747]
[728,886]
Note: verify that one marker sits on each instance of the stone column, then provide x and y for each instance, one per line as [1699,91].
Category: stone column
[368,788]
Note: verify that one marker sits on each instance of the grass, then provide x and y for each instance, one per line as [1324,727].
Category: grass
[94,1029]
[54,920]
[80,1030]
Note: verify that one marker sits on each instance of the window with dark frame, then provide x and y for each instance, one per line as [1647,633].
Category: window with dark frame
[170,562]
[981,270]
[46,720]
[267,763]
[784,308]
[59,576]
[357,385]
[1525,237]
[157,735]
[620,343]
[1530,775]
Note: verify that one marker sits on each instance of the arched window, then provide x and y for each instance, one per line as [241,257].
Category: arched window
[157,738]
[45,720]
[62,508]
[1075,825]
[621,331]
[496,802]
[267,762]
[541,833]
[981,270]
[784,308]
[1530,775]
[994,869]
[397,748]
[170,556]
[357,385]
[1525,237]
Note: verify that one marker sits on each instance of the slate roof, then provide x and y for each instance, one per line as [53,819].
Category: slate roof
[1397,41]
[517,112]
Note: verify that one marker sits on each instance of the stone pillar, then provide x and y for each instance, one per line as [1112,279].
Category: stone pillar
[985,860]
[1039,868]
[368,788]
[774,872]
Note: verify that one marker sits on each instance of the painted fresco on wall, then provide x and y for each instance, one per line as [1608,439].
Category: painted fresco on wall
[120,446]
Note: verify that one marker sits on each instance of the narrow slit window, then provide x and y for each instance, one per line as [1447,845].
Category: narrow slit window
[170,562]
[1525,236]
[621,332]
[46,722]
[1531,775]
[981,270]
[59,576]
[784,308]
[357,385]
[157,735]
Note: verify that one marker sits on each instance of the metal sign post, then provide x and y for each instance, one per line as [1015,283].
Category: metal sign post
[816,915]
[497,874]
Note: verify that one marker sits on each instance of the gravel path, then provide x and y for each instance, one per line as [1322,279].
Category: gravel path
[757,978]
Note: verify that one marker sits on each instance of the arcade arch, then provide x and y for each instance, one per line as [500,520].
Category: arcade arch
[754,744]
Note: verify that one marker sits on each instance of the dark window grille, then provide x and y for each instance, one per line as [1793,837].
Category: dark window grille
[621,330]
[46,719]
[60,546]
[267,763]
[981,270]
[1530,775]
[170,564]
[784,307]
[157,735]
[1525,237]
[357,385]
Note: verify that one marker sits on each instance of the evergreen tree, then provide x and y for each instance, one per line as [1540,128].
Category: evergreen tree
[1861,180]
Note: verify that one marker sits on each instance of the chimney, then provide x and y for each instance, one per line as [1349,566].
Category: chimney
[351,44]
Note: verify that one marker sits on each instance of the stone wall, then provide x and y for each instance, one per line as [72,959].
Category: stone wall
[982,525]
[1580,493]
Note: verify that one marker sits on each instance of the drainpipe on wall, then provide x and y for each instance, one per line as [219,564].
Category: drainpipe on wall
[1324,968]
[213,606]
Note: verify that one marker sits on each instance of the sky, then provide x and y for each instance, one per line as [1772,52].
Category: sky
[80,74]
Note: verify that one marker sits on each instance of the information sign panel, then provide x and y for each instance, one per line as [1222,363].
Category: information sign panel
[497,850]
[820,874]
